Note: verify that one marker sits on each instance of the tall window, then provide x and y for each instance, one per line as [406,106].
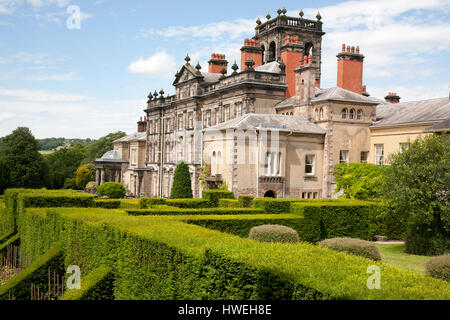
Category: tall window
[191,120]
[272,164]
[207,118]
[321,114]
[133,157]
[364,156]
[317,114]
[238,110]
[227,112]
[343,157]
[344,113]
[359,115]
[379,154]
[352,114]
[310,165]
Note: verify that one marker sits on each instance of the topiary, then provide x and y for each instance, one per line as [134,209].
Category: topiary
[112,190]
[354,247]
[182,186]
[274,233]
[439,267]
[82,176]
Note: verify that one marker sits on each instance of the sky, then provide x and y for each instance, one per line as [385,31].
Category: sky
[67,79]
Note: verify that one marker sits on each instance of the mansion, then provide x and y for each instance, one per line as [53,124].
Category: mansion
[266,127]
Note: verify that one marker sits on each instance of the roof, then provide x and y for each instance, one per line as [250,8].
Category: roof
[270,121]
[138,136]
[335,93]
[272,67]
[440,127]
[211,77]
[111,156]
[424,111]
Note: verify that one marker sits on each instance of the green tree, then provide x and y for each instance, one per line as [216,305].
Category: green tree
[20,152]
[101,146]
[63,164]
[181,188]
[112,190]
[82,176]
[4,176]
[417,186]
[359,180]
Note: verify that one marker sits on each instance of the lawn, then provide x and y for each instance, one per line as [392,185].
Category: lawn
[394,255]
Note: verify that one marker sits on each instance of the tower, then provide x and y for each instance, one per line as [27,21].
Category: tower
[291,39]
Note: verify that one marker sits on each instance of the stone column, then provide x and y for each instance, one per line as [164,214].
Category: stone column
[102,176]
[97,177]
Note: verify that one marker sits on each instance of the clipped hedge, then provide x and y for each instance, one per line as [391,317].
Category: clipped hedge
[439,267]
[188,203]
[229,203]
[129,203]
[213,196]
[10,241]
[36,273]
[145,203]
[107,204]
[97,285]
[355,247]
[245,201]
[274,233]
[55,200]
[272,206]
[208,211]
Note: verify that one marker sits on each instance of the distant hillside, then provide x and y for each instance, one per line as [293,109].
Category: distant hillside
[49,144]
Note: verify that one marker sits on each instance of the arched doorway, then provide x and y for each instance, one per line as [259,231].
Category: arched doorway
[269,194]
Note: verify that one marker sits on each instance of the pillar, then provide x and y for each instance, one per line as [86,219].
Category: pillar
[102,176]
[97,177]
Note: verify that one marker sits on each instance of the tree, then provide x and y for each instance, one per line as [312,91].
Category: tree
[112,190]
[182,187]
[359,180]
[82,176]
[4,176]
[101,146]
[20,152]
[417,185]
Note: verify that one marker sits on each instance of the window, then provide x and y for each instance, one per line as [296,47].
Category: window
[272,164]
[364,156]
[321,114]
[309,165]
[352,114]
[359,115]
[343,157]
[207,118]
[238,110]
[180,122]
[344,113]
[379,154]
[227,113]
[317,114]
[191,120]
[133,157]
[404,147]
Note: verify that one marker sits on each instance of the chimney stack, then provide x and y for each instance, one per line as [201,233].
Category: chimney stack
[251,49]
[217,63]
[350,69]
[393,98]
[142,125]
[305,81]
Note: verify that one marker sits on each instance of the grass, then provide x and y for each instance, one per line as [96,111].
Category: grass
[394,255]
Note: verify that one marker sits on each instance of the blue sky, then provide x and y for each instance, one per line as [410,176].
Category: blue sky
[94,80]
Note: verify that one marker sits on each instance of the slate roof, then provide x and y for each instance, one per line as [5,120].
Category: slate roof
[432,110]
[270,121]
[440,127]
[335,93]
[138,136]
[211,77]
[272,67]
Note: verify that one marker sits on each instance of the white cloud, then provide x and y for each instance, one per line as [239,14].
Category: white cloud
[160,64]
[39,95]
[6,116]
[70,76]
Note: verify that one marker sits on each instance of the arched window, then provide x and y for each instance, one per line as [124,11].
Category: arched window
[317,114]
[219,162]
[344,113]
[272,52]
[269,194]
[292,113]
[214,164]
[352,114]
[321,114]
[308,49]
[359,115]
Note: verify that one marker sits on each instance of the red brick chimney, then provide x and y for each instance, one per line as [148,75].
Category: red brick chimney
[142,125]
[292,55]
[251,49]
[217,63]
[350,69]
[393,98]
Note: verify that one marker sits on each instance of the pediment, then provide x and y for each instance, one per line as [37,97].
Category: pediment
[187,73]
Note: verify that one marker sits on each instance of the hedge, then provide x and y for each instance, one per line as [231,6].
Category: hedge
[36,273]
[208,211]
[13,241]
[229,203]
[129,203]
[188,203]
[213,196]
[145,203]
[97,285]
[270,205]
[245,201]
[163,258]
[107,204]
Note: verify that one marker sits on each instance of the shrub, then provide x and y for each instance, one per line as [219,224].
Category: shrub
[439,267]
[274,233]
[91,187]
[213,196]
[182,186]
[107,204]
[245,201]
[310,228]
[167,211]
[272,206]
[354,247]
[82,176]
[49,200]
[113,190]
[228,203]
[424,240]
[145,203]
[188,203]
[70,183]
